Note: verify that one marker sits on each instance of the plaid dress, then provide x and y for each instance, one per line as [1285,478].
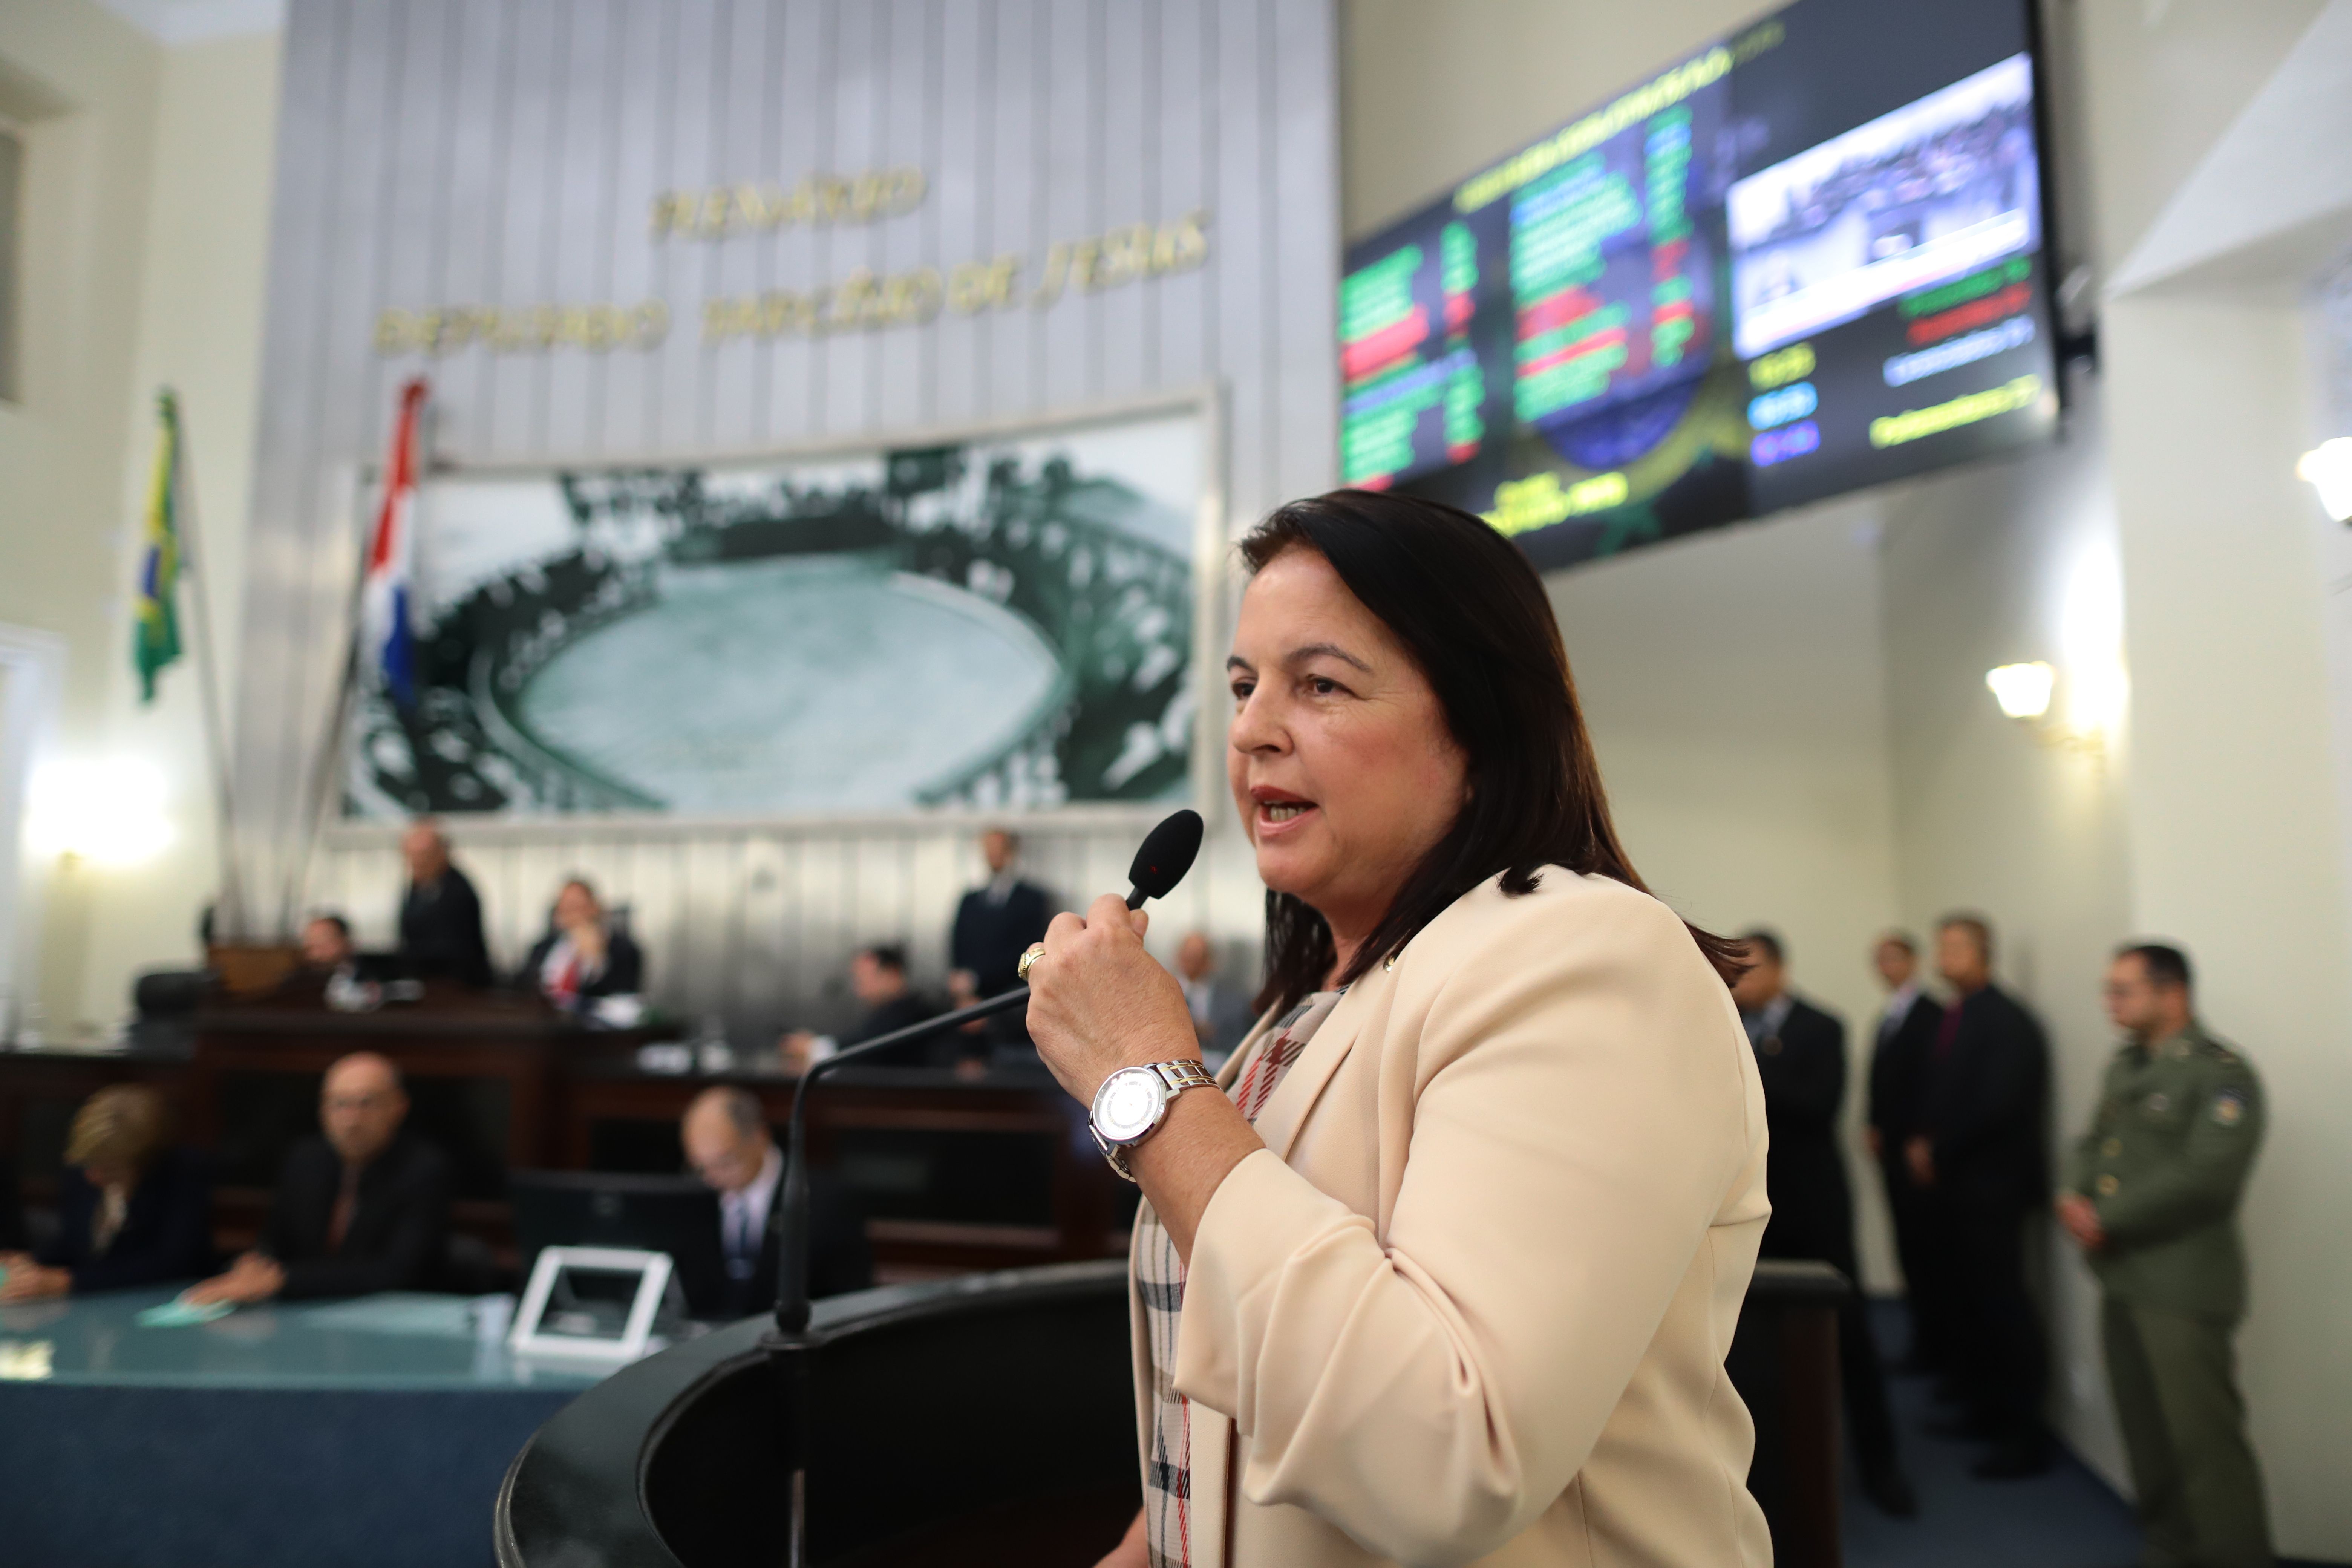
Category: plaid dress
[1160,1281]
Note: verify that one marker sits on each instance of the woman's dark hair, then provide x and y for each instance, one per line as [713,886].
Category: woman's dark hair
[1471,610]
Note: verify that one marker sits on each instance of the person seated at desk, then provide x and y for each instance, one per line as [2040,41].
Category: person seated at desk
[731,1146]
[131,1209]
[441,915]
[1220,1010]
[329,970]
[365,1208]
[877,976]
[326,945]
[583,959]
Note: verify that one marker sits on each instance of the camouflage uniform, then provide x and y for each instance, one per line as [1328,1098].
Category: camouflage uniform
[2165,1163]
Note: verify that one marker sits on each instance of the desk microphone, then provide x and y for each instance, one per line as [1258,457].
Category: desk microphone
[1166,854]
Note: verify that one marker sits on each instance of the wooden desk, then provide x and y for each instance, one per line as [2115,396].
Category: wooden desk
[478,1067]
[988,1173]
[957,1174]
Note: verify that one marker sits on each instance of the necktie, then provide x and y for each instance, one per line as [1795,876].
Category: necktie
[347,1200]
[113,1208]
[1949,1032]
[564,989]
[741,1256]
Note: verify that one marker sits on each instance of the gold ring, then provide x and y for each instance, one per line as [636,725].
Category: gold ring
[1029,960]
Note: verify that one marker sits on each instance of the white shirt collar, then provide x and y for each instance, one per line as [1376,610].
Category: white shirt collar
[1899,1000]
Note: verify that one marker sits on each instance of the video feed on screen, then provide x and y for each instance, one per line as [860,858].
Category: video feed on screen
[1924,195]
[1803,259]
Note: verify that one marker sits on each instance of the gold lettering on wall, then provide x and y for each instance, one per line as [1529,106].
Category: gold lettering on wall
[864,302]
[522,329]
[752,208]
[1123,256]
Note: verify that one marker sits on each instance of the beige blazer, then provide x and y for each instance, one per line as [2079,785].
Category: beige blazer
[1471,1304]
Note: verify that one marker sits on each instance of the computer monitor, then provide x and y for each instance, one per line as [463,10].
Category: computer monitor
[675,1214]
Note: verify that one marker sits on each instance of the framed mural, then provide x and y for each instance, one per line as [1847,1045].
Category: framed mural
[1003,620]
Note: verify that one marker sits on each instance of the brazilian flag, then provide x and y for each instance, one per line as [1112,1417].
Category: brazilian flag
[156,637]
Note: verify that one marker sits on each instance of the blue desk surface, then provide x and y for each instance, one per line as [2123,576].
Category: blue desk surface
[365,1434]
[392,1342]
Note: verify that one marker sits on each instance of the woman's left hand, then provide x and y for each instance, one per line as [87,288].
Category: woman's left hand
[1098,1002]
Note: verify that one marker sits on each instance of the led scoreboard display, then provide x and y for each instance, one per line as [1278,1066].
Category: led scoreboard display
[1805,259]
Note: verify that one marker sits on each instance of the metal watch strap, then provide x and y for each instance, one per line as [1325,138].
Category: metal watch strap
[1179,1075]
[1188,1073]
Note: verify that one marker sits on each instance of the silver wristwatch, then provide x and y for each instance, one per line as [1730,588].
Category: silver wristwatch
[1133,1101]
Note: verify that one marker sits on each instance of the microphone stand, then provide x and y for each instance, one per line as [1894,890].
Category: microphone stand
[1160,863]
[788,1345]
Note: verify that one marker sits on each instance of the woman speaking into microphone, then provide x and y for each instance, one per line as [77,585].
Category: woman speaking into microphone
[1447,1271]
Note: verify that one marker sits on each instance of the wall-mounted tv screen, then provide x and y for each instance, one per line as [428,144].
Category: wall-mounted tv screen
[1807,257]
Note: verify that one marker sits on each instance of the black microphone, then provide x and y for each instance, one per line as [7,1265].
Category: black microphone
[1166,854]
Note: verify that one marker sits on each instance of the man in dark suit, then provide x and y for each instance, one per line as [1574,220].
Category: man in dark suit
[441,915]
[878,974]
[1906,1042]
[878,977]
[1981,1154]
[728,1144]
[994,925]
[1800,1057]
[365,1208]
[583,958]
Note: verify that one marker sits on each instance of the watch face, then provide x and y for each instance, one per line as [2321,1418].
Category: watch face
[1127,1103]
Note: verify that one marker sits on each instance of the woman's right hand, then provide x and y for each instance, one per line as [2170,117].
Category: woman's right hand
[1130,1552]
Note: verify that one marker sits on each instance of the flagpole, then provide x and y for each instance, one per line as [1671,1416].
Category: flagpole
[196,560]
[399,470]
[330,756]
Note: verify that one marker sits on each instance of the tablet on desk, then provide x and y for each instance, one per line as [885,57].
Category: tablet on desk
[675,1214]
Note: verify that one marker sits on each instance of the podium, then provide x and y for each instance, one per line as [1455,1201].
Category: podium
[991,1419]
[973,1420]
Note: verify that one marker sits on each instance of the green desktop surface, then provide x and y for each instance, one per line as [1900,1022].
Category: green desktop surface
[392,1342]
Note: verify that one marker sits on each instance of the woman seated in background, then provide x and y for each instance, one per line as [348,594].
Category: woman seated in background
[132,1210]
[582,960]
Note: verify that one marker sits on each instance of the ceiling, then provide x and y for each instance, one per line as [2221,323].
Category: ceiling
[177,22]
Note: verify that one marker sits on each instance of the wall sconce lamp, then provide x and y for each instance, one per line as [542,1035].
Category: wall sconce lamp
[2024,691]
[107,813]
[2328,468]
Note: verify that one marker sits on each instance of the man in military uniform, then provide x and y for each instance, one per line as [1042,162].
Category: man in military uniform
[2151,1192]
